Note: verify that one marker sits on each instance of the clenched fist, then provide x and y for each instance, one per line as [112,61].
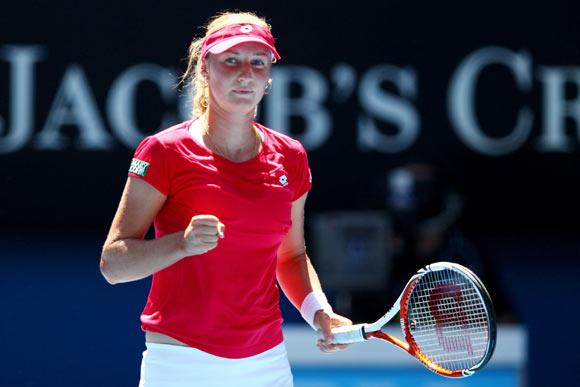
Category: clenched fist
[202,234]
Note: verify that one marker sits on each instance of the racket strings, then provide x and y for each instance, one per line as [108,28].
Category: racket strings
[448,320]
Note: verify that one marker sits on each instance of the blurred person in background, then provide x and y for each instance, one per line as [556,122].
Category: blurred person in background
[424,214]
[227,197]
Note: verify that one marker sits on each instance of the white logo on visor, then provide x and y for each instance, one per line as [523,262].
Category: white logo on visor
[246,29]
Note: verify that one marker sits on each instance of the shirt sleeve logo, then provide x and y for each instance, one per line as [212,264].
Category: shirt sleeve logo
[138,167]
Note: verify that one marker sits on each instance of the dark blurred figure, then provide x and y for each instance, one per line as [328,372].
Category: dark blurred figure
[424,212]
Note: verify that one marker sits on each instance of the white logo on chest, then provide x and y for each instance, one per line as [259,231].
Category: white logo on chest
[283,180]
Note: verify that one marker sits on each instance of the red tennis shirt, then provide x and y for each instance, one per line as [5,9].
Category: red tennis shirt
[224,302]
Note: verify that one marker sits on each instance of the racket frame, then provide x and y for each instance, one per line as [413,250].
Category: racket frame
[486,302]
[363,332]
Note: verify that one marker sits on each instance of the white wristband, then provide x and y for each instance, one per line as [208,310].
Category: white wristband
[313,302]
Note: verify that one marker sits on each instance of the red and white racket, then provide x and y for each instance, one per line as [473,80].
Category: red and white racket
[447,320]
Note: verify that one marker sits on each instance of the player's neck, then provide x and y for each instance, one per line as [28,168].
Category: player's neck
[233,130]
[232,136]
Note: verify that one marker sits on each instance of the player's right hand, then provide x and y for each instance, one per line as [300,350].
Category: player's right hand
[202,234]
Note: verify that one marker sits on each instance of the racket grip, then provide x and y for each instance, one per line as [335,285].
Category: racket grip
[349,334]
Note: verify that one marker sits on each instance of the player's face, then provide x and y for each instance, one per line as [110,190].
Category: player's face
[237,78]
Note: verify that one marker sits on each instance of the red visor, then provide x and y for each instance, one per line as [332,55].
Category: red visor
[231,35]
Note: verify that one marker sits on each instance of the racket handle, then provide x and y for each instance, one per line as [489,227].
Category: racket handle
[349,334]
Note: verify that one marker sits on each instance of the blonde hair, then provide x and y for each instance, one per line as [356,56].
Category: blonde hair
[193,75]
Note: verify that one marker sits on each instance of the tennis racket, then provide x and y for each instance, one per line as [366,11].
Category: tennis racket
[447,319]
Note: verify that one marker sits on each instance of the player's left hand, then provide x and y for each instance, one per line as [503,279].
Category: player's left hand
[325,321]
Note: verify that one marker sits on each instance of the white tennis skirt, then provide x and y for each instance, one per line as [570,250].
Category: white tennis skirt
[166,365]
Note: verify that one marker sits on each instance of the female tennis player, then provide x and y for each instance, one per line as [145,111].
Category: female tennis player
[226,196]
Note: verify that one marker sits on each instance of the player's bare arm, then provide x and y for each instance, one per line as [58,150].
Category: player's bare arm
[298,278]
[127,257]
